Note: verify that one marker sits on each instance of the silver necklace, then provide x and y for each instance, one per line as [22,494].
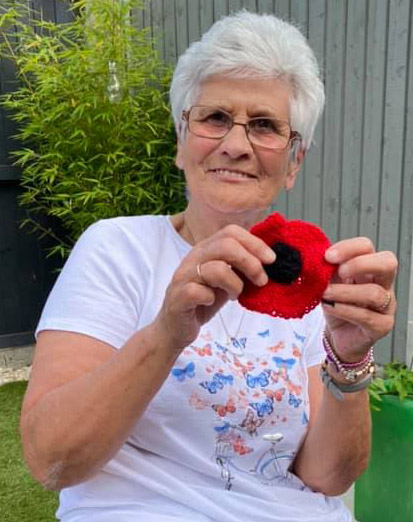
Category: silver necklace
[231,339]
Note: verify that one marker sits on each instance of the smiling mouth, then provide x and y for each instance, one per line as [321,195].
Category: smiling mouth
[234,174]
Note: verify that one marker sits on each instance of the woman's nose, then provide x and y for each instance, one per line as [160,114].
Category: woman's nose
[236,143]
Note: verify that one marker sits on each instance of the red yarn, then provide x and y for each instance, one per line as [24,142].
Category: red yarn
[295,299]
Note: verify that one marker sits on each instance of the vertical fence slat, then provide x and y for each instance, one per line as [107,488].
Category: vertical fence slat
[265,6]
[158,29]
[393,133]
[295,198]
[234,6]
[335,39]
[373,119]
[282,9]
[194,31]
[182,37]
[220,9]
[206,8]
[314,162]
[170,31]
[250,5]
[353,118]
[403,333]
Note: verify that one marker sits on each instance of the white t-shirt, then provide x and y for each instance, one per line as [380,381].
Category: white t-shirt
[198,452]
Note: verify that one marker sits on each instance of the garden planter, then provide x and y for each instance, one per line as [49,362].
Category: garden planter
[385,491]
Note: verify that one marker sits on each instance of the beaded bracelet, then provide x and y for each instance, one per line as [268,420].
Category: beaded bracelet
[350,371]
[338,388]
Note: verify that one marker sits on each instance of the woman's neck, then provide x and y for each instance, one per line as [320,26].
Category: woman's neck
[194,225]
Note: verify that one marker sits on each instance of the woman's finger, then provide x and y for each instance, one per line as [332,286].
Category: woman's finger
[347,249]
[369,295]
[375,324]
[378,267]
[227,251]
[218,274]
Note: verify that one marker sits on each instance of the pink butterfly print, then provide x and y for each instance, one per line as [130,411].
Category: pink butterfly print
[251,423]
[274,349]
[206,350]
[240,447]
[246,367]
[296,351]
[197,402]
[294,388]
[222,409]
[275,394]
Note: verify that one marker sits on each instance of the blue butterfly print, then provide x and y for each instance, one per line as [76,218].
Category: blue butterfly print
[239,343]
[304,418]
[284,363]
[212,386]
[224,379]
[220,347]
[263,408]
[217,383]
[188,371]
[294,401]
[299,337]
[265,333]
[222,429]
[258,380]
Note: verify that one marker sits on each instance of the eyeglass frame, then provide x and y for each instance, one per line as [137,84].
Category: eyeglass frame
[294,135]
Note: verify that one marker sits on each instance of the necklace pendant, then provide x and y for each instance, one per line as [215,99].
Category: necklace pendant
[229,339]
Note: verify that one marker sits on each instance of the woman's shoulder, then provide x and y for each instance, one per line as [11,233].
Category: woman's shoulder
[121,237]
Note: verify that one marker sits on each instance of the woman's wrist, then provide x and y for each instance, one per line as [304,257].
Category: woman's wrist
[347,371]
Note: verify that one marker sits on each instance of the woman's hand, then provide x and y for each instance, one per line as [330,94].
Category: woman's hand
[209,276]
[361,294]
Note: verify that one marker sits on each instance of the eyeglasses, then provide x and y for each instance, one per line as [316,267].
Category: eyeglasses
[215,123]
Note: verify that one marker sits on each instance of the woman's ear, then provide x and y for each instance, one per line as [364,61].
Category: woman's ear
[295,162]
[179,160]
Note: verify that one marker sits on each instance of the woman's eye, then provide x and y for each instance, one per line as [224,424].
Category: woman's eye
[217,118]
[263,125]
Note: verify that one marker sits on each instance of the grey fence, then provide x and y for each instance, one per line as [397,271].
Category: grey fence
[358,176]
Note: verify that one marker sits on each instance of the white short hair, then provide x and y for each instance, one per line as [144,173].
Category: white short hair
[250,45]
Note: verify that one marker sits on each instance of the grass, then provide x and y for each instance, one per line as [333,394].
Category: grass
[21,498]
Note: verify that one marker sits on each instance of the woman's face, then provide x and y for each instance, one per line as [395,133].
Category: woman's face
[229,175]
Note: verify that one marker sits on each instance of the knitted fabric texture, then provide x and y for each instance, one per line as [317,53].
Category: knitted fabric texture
[299,275]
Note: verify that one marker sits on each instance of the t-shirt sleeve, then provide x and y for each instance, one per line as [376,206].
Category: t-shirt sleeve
[100,289]
[314,350]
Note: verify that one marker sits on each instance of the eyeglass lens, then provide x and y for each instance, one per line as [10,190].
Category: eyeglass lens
[215,123]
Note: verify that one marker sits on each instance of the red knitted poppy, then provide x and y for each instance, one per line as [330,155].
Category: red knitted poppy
[299,275]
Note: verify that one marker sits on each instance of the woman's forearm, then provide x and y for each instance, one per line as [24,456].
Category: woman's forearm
[74,429]
[337,447]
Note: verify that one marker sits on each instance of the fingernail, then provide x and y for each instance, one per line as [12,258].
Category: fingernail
[269,256]
[263,280]
[332,255]
[328,302]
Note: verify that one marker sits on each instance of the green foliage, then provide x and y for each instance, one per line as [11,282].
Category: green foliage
[93,115]
[21,498]
[397,379]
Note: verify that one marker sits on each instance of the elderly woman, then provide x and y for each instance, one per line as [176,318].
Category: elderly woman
[154,395]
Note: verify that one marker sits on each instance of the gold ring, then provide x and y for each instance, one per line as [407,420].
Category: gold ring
[385,305]
[198,271]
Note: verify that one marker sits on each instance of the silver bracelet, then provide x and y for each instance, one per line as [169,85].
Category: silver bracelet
[338,388]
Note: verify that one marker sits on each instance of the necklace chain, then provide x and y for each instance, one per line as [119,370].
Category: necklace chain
[229,336]
[235,336]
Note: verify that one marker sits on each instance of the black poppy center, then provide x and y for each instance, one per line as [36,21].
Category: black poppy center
[287,267]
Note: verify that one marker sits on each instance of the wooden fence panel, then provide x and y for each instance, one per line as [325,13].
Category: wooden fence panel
[357,178]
